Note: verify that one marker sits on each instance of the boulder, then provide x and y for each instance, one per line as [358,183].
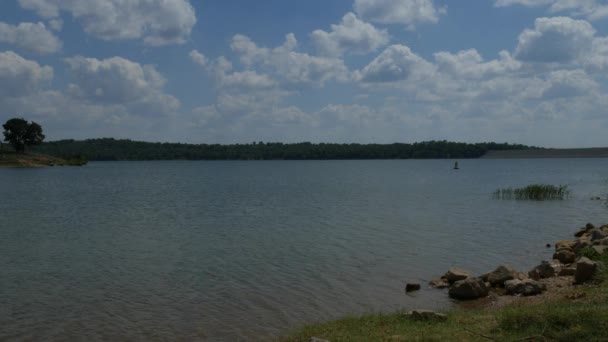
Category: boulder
[565,256]
[439,283]
[567,272]
[426,315]
[470,288]
[500,275]
[603,242]
[564,244]
[600,249]
[455,274]
[585,270]
[597,234]
[584,230]
[582,243]
[546,269]
[410,287]
[526,287]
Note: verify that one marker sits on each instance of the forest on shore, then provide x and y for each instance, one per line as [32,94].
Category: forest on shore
[124,149]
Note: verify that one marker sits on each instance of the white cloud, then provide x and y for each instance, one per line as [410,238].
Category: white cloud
[20,77]
[598,58]
[555,40]
[158,22]
[120,81]
[351,35]
[470,64]
[590,9]
[396,63]
[198,58]
[291,67]
[569,83]
[406,12]
[248,80]
[30,37]
[56,24]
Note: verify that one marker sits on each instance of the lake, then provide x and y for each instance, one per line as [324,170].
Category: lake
[247,250]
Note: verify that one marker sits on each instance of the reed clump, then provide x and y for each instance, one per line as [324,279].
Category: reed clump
[536,192]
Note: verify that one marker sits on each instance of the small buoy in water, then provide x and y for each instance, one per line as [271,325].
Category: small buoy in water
[548,245]
[456,166]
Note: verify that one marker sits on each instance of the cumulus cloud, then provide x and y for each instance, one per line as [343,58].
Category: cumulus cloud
[351,35]
[158,22]
[30,37]
[396,63]
[120,81]
[470,64]
[555,40]
[406,12]
[56,24]
[591,9]
[198,58]
[569,83]
[20,77]
[292,67]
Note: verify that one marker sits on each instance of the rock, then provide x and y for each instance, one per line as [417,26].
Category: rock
[564,244]
[585,270]
[410,287]
[439,284]
[426,315]
[567,271]
[584,230]
[314,339]
[604,242]
[455,274]
[600,249]
[545,270]
[597,234]
[469,288]
[582,243]
[565,256]
[526,287]
[500,275]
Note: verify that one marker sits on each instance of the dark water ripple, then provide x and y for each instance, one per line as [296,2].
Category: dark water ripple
[229,251]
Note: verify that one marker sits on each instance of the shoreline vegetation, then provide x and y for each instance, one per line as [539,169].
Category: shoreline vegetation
[109,149]
[14,159]
[565,299]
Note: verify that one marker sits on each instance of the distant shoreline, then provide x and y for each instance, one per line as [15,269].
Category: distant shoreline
[597,152]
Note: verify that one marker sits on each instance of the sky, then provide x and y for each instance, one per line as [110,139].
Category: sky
[346,71]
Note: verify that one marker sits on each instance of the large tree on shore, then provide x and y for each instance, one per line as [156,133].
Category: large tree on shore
[20,133]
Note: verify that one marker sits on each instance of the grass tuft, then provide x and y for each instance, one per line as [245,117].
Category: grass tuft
[536,192]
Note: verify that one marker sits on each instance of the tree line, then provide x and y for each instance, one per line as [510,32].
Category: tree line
[124,149]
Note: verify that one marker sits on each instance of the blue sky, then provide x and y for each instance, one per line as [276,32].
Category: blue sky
[236,71]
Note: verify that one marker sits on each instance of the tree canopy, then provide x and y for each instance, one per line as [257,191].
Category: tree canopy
[20,134]
[114,149]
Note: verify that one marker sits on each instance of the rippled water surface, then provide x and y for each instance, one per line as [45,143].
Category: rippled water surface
[248,250]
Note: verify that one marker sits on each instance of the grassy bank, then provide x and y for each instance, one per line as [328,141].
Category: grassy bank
[12,159]
[578,313]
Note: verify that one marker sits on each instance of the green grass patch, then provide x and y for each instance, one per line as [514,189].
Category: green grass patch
[536,192]
[555,319]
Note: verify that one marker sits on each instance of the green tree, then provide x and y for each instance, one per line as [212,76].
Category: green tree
[20,134]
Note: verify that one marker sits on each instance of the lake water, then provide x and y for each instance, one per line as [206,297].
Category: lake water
[229,251]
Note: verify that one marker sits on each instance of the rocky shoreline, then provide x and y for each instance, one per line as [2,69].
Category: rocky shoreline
[563,296]
[568,267]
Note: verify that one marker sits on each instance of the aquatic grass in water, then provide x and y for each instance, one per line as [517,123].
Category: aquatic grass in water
[534,192]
